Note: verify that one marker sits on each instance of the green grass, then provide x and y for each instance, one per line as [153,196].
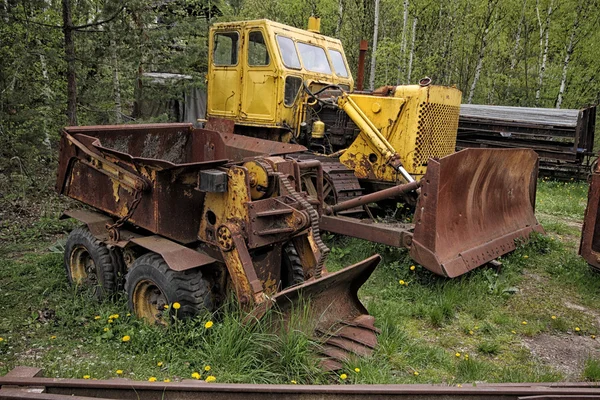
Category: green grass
[485,314]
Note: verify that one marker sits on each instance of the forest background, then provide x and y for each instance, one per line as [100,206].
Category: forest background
[82,61]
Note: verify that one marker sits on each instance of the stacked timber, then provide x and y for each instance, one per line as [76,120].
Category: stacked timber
[564,139]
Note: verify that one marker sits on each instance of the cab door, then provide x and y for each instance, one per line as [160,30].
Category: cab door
[224,75]
[259,95]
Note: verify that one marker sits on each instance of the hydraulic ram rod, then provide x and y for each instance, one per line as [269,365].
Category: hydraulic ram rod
[373,197]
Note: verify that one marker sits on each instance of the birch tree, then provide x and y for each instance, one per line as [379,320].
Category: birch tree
[374,51]
[484,37]
[544,35]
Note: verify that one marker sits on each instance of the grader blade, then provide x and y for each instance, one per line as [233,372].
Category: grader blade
[343,325]
[472,207]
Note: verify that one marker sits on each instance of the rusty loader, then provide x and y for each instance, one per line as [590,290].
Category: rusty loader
[392,146]
[184,216]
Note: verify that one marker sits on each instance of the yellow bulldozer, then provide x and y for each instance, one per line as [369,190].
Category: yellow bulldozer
[189,215]
[395,144]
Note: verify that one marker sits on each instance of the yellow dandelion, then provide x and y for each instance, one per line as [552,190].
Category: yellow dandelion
[86,377]
[412,267]
[207,368]
[524,322]
[208,324]
[553,317]
[119,372]
[166,306]
[105,329]
[514,332]
[110,321]
[166,380]
[210,378]
[196,375]
[159,364]
[293,382]
[53,337]
[126,338]
[593,336]
[343,377]
[401,282]
[152,379]
[458,385]
[471,332]
[466,356]
[115,316]
[97,317]
[357,370]
[525,256]
[416,373]
[457,354]
[577,329]
[129,314]
[176,305]
[1,339]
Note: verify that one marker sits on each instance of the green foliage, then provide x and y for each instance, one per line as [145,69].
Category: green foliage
[591,371]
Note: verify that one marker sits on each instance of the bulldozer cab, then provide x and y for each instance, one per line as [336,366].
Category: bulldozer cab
[257,68]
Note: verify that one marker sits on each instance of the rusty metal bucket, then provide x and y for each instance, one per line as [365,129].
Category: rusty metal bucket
[343,325]
[472,207]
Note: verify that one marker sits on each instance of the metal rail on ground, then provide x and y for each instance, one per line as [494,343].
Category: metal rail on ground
[25,383]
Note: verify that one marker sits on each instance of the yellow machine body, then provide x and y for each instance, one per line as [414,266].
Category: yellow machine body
[417,123]
[257,68]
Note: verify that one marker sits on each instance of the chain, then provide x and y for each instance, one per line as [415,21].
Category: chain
[113,229]
[314,221]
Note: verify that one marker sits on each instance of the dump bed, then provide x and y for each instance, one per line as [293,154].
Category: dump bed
[151,174]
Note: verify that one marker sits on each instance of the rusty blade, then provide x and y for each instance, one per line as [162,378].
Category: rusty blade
[472,207]
[589,247]
[341,320]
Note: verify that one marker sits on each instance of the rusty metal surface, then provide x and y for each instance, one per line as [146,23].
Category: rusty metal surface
[362,53]
[391,234]
[177,257]
[59,389]
[589,246]
[472,207]
[374,197]
[334,305]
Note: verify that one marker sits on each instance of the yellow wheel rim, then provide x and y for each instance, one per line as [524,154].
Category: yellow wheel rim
[149,302]
[83,268]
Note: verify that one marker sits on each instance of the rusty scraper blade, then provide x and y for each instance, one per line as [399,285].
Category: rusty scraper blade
[589,246]
[343,325]
[473,205]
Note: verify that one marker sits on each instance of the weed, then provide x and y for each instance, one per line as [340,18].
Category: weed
[591,370]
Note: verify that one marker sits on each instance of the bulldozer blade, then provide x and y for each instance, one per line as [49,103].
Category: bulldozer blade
[343,325]
[473,205]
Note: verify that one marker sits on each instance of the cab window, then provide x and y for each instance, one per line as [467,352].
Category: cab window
[339,66]
[288,52]
[225,48]
[314,58]
[258,54]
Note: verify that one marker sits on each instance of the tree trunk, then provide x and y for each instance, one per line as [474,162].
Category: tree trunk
[486,26]
[544,29]
[402,63]
[570,48]
[116,84]
[338,27]
[70,58]
[412,50]
[513,62]
[374,51]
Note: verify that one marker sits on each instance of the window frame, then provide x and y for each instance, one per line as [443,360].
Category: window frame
[277,35]
[266,47]
[343,57]
[330,73]
[237,45]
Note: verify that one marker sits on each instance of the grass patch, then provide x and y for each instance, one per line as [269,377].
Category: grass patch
[425,320]
[591,371]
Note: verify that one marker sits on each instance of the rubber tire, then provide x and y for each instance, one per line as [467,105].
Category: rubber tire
[292,271]
[105,269]
[188,288]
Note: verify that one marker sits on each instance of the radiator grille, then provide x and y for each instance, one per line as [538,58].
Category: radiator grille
[436,134]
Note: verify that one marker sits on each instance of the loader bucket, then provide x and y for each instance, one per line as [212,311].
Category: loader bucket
[473,205]
[343,325]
